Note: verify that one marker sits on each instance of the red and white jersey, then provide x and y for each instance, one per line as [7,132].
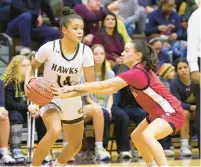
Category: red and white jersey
[64,69]
[150,92]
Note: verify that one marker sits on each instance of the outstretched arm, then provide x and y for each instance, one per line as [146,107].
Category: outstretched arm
[113,85]
[102,87]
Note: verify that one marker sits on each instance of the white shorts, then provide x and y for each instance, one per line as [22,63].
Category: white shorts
[70,109]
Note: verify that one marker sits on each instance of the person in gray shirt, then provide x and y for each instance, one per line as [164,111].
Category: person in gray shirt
[132,15]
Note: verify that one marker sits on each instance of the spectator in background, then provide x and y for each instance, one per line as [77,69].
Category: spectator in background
[114,7]
[71,3]
[4,14]
[26,23]
[157,45]
[48,10]
[92,13]
[101,103]
[16,102]
[133,16]
[109,37]
[164,21]
[149,5]
[166,73]
[185,91]
[185,10]
[5,129]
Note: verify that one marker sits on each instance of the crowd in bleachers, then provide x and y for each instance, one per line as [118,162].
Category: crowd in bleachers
[109,25]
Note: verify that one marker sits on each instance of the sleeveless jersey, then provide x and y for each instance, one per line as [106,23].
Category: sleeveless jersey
[64,69]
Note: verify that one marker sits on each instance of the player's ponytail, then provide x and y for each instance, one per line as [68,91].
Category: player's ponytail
[66,15]
[150,60]
[148,56]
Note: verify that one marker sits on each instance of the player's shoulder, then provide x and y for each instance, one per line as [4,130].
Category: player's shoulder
[82,45]
[84,48]
[49,44]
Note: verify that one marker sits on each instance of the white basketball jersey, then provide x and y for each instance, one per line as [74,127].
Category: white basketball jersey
[64,69]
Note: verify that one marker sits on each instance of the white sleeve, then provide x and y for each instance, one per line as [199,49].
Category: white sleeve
[193,40]
[42,54]
[88,57]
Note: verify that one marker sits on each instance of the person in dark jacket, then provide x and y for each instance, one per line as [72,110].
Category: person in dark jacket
[71,3]
[5,129]
[164,21]
[16,102]
[26,23]
[184,89]
[110,38]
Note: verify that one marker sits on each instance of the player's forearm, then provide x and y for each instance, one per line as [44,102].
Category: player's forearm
[76,93]
[94,87]
[106,91]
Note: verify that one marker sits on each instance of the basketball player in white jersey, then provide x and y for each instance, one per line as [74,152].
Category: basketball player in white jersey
[193,57]
[64,61]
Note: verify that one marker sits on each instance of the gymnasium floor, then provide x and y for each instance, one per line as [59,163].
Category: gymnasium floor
[116,162]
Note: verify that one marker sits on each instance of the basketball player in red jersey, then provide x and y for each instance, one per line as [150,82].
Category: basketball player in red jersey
[165,114]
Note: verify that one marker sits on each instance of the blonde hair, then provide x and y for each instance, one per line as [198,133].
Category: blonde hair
[12,73]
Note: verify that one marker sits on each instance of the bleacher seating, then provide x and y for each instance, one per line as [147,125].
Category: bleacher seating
[5,51]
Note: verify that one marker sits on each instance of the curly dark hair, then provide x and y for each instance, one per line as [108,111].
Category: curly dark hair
[68,14]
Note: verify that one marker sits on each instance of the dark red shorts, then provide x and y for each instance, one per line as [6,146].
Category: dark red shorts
[175,120]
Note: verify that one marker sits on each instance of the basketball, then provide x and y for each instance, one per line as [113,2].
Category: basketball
[40,92]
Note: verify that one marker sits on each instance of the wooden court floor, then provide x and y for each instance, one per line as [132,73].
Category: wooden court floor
[116,162]
[183,163]
[174,163]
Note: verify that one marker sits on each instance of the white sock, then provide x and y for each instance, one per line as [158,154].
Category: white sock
[184,142]
[56,163]
[164,166]
[99,144]
[31,165]
[3,150]
[65,144]
[151,164]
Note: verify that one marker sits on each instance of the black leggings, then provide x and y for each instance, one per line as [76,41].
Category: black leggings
[40,128]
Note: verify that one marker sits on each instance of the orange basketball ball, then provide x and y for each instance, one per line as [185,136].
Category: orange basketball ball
[40,92]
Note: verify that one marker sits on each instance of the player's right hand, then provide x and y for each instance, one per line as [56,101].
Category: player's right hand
[27,86]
